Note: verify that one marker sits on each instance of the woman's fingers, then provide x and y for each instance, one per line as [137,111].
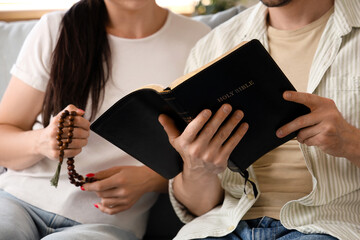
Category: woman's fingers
[77,133]
[112,206]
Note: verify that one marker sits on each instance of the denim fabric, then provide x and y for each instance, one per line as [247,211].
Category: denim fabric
[22,221]
[267,229]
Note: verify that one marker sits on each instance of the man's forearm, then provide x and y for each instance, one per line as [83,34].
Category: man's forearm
[199,194]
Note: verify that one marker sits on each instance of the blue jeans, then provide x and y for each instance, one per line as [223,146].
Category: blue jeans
[267,229]
[22,221]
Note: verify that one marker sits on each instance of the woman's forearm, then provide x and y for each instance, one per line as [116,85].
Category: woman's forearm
[18,147]
[154,181]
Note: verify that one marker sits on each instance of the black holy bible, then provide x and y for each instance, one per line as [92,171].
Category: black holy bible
[246,77]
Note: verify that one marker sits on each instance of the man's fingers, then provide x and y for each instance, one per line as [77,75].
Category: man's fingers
[169,126]
[234,140]
[190,131]
[308,133]
[215,122]
[195,126]
[307,99]
[301,122]
[228,127]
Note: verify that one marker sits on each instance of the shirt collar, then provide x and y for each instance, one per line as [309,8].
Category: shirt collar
[346,15]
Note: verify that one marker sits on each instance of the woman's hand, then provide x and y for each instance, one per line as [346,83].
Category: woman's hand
[323,127]
[47,144]
[119,188]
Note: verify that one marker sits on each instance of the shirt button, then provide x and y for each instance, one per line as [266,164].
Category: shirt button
[231,228]
[250,196]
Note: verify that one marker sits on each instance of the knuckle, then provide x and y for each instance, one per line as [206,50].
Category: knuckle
[97,188]
[53,130]
[120,181]
[328,129]
[330,101]
[71,106]
[123,192]
[241,131]
[105,202]
[321,140]
[99,193]
[308,98]
[181,144]
[195,151]
[111,212]
[126,207]
[223,135]
[127,202]
[208,158]
[87,134]
[54,154]
[173,142]
[307,142]
[208,131]
[221,162]
[220,168]
[301,122]
[78,151]
[85,142]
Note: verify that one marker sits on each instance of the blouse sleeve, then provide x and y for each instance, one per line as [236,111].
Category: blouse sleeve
[33,63]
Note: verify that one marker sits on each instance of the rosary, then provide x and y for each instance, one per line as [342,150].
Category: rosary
[75,178]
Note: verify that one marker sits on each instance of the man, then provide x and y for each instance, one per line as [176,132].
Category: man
[313,189]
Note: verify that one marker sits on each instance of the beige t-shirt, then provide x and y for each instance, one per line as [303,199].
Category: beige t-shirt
[282,174]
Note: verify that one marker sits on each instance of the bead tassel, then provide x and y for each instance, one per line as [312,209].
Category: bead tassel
[55,179]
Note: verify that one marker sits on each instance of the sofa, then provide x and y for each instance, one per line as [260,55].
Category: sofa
[163,223]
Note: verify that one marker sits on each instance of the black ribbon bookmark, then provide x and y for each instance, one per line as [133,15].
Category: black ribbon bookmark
[245,175]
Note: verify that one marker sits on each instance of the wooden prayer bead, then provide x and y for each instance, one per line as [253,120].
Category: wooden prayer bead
[74,177]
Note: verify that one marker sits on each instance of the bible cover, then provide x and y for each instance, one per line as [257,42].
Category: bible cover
[245,77]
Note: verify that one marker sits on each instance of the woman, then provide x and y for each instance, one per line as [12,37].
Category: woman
[86,58]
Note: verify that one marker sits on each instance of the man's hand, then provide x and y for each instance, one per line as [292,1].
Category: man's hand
[205,146]
[323,127]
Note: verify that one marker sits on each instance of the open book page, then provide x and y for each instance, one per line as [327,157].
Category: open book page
[190,74]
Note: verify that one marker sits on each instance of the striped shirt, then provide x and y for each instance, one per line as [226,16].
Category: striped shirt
[333,205]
